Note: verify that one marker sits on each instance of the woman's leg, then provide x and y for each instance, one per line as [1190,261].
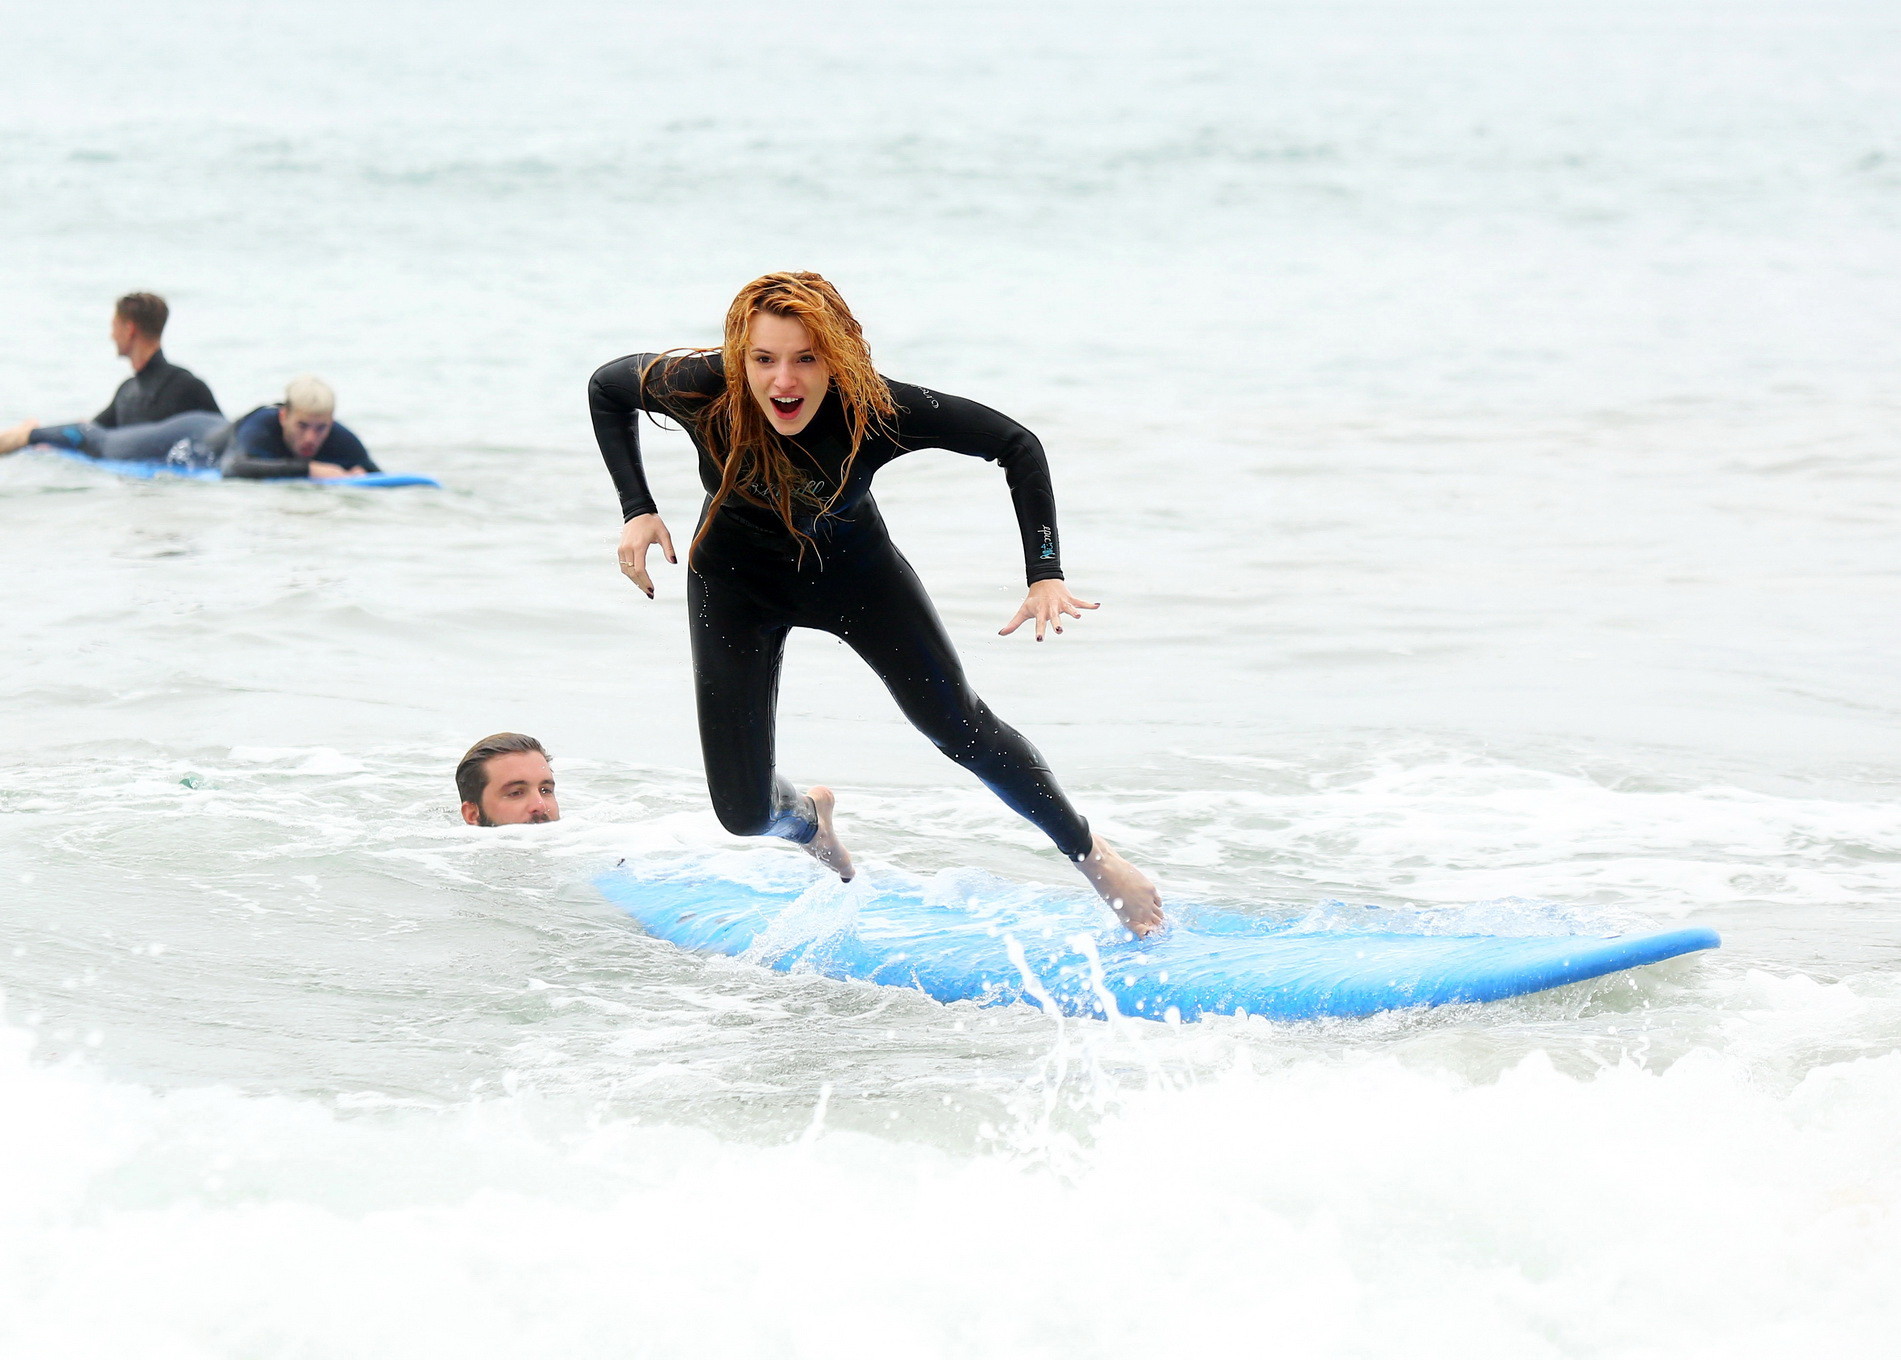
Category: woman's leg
[736,656]
[892,624]
[737,648]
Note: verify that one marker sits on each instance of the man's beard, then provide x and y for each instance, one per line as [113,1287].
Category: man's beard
[534,819]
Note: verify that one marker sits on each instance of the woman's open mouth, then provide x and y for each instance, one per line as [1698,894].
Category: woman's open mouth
[787,407]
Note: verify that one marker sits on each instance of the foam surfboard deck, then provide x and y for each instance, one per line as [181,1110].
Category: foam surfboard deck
[1062,957]
[149,471]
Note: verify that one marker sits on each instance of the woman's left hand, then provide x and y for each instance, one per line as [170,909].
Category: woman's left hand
[1047,602]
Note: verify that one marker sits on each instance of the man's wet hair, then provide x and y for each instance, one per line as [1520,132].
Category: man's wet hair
[147,311]
[471,775]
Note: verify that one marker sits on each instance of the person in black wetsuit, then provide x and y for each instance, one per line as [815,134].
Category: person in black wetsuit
[298,437]
[791,422]
[162,411]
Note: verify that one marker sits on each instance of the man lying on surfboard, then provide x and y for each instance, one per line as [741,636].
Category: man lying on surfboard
[297,437]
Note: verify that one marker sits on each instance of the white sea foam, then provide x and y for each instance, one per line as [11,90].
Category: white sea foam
[1349,1206]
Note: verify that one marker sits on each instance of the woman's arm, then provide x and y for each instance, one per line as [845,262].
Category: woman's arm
[937,420]
[617,394]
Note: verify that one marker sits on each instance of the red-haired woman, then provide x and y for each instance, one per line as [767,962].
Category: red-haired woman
[791,421]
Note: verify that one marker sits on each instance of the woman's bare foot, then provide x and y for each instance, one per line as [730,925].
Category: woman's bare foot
[1123,886]
[13,438]
[825,847]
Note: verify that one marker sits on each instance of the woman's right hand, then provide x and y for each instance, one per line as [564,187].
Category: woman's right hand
[636,536]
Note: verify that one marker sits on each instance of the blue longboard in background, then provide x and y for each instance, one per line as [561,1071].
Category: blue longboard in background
[148,471]
[1209,962]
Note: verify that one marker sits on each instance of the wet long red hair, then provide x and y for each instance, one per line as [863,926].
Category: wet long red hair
[755,464]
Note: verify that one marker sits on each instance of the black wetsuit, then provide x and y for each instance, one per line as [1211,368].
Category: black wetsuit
[153,397]
[747,586]
[158,391]
[258,449]
[190,439]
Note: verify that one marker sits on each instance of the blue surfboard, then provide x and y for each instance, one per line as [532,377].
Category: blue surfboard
[998,944]
[377,479]
[150,471]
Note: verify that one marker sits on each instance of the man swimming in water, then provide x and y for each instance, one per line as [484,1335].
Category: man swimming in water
[297,437]
[505,780]
[155,411]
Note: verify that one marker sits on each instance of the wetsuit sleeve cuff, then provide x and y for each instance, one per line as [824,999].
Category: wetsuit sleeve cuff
[1044,574]
[635,512]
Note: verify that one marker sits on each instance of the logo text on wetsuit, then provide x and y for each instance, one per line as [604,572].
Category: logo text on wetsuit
[1049,543]
[813,490]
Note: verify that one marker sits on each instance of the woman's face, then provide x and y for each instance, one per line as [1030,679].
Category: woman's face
[785,377]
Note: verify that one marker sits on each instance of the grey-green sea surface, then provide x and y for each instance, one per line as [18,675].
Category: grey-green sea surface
[1477,422]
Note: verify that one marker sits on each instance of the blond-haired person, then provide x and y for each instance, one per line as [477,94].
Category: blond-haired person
[297,437]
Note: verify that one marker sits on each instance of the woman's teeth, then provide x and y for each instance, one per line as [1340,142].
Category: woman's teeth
[787,405]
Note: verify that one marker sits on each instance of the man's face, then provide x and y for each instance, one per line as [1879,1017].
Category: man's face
[304,434]
[520,790]
[124,335]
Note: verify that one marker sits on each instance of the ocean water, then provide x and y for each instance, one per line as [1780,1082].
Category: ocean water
[1478,422]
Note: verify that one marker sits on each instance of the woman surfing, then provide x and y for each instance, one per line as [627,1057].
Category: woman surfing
[791,422]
